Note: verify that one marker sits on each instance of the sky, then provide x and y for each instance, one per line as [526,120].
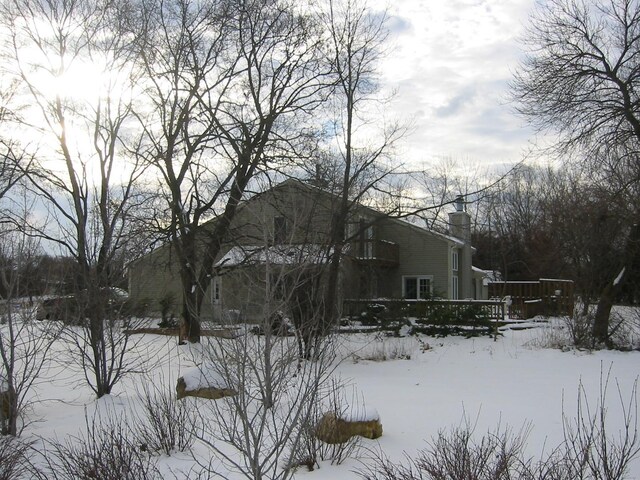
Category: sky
[450,64]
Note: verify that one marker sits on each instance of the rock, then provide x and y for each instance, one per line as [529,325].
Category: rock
[331,429]
[212,393]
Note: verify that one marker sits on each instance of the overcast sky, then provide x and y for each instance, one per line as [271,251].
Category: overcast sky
[450,64]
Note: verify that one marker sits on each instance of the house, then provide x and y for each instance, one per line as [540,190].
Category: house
[285,229]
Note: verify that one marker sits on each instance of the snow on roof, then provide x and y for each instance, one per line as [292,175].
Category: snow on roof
[275,255]
[488,275]
[444,236]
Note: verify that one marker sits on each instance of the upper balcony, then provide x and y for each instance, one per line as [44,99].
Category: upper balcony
[375,252]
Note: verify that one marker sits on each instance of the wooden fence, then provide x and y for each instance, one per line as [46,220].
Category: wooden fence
[546,296]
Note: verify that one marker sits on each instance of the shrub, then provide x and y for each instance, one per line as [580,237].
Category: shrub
[455,455]
[14,458]
[382,349]
[105,451]
[588,451]
[580,328]
[312,450]
[166,311]
[623,331]
[165,424]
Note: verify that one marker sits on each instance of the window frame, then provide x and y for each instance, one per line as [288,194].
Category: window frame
[417,278]
[216,290]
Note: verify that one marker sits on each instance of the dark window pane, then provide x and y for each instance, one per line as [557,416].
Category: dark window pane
[411,288]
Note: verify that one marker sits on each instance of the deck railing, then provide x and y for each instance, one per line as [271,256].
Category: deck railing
[376,251]
[485,309]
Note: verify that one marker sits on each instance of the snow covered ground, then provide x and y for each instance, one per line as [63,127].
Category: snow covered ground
[417,386]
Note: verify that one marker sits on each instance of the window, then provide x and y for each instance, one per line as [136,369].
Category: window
[368,242]
[215,290]
[280,232]
[454,260]
[361,235]
[454,287]
[417,287]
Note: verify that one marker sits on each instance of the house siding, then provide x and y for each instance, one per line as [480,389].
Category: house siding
[420,254]
[309,213]
[153,278]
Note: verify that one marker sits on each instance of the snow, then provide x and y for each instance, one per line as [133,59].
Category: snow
[363,414]
[619,277]
[418,385]
[202,377]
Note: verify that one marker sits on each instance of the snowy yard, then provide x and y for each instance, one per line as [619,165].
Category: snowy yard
[422,386]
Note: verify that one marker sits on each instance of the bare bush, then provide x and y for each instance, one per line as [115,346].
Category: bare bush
[24,342]
[14,458]
[624,331]
[165,424]
[589,450]
[456,455]
[580,329]
[332,399]
[253,431]
[102,350]
[384,348]
[104,451]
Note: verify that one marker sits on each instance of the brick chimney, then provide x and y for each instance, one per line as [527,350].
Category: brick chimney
[460,220]
[460,227]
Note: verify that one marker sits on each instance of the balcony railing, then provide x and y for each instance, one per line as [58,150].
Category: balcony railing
[380,252]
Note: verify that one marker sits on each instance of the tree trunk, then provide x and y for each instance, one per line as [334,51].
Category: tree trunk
[96,305]
[190,329]
[603,313]
[9,412]
[609,293]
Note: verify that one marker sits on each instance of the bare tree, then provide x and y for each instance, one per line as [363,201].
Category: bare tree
[515,238]
[24,342]
[231,86]
[79,87]
[255,431]
[589,226]
[258,432]
[12,158]
[580,78]
[356,44]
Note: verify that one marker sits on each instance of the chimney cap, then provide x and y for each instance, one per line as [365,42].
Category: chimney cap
[459,203]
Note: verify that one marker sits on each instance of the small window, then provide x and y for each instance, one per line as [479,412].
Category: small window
[280,232]
[417,287]
[215,290]
[454,260]
[454,287]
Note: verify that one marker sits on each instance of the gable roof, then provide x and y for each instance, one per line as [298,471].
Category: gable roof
[416,228]
[296,183]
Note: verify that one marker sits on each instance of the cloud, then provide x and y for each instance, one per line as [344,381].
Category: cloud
[398,25]
[450,67]
[459,101]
